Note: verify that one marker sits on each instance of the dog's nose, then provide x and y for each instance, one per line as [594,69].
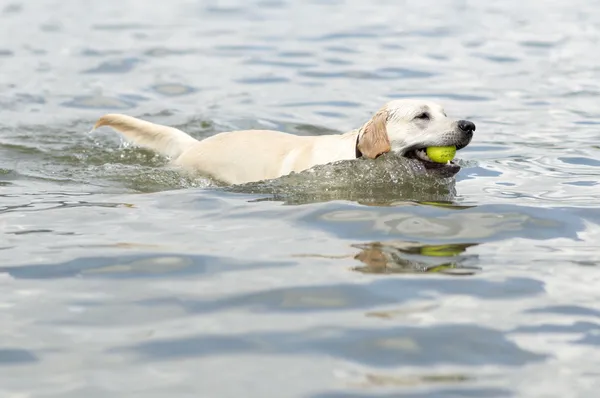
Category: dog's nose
[466,126]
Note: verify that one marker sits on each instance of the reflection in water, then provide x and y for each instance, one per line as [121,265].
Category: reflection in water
[479,224]
[383,380]
[444,392]
[411,257]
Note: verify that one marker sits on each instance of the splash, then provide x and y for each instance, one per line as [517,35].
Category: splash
[384,181]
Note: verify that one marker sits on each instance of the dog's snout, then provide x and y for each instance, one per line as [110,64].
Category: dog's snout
[466,126]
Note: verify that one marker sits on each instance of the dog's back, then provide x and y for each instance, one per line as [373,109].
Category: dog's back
[236,157]
[232,157]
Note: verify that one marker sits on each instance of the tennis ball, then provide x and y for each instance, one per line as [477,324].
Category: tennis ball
[441,154]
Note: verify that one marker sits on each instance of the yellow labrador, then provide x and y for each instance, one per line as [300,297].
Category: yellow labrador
[405,127]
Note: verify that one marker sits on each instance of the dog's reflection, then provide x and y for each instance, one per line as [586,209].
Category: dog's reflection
[413,257]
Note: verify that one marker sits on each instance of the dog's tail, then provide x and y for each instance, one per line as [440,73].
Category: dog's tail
[165,140]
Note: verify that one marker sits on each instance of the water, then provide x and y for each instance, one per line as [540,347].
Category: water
[122,278]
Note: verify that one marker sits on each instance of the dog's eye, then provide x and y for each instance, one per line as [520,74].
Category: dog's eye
[423,116]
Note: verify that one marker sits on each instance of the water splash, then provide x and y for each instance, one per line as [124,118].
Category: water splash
[383,181]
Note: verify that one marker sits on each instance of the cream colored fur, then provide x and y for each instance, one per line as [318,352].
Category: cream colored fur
[243,156]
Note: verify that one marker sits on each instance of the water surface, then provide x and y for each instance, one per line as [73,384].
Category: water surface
[123,278]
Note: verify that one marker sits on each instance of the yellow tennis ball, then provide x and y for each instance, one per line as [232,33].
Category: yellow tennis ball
[441,154]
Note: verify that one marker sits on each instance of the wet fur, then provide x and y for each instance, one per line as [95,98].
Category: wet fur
[237,157]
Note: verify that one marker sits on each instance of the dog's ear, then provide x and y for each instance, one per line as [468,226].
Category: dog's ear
[374,140]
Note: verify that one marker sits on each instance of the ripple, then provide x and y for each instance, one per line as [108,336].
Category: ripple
[364,275]
[499,59]
[381,74]
[567,310]
[278,63]
[364,33]
[173,89]
[295,54]
[148,266]
[12,8]
[91,52]
[341,104]
[539,43]
[124,65]
[434,393]
[98,102]
[580,161]
[383,348]
[245,48]
[473,224]
[161,52]
[451,96]
[327,298]
[263,80]
[122,26]
[13,356]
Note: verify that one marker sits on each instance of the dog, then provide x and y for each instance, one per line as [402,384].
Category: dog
[405,127]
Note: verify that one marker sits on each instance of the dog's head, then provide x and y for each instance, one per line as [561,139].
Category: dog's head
[407,127]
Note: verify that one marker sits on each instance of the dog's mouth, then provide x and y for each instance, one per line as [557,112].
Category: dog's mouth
[420,154]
